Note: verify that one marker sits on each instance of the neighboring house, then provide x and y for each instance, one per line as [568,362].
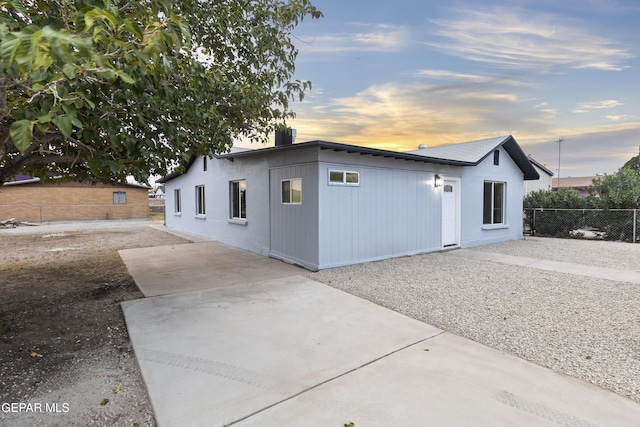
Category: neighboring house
[158,193]
[322,204]
[28,199]
[580,183]
[545,181]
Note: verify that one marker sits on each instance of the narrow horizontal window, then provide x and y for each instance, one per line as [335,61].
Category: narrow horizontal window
[344,178]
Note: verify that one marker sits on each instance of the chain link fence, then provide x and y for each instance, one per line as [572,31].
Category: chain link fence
[622,225]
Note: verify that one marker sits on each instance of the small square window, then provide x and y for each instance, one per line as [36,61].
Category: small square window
[119,197]
[291,191]
[336,177]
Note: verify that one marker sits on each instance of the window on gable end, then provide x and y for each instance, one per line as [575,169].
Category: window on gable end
[496,157]
[200,204]
[493,203]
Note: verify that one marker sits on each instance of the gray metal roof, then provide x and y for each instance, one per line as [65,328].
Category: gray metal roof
[464,154]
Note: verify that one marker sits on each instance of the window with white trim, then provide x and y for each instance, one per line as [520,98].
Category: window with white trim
[493,211]
[337,177]
[177,201]
[238,199]
[200,204]
[119,197]
[291,191]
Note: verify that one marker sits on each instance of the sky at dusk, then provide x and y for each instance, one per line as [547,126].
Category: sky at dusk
[395,74]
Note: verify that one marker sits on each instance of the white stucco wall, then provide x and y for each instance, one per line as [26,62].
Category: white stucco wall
[252,235]
[473,231]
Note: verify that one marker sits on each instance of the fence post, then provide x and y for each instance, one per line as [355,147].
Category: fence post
[533,223]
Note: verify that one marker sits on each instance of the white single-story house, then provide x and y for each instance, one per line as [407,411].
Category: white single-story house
[322,204]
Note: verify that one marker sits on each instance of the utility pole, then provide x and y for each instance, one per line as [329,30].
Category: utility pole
[559,142]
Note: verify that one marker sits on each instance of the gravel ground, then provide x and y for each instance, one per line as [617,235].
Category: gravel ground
[623,256]
[584,327]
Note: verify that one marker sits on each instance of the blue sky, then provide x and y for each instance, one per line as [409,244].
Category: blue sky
[396,74]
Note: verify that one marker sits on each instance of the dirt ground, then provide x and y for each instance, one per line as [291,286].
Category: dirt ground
[65,355]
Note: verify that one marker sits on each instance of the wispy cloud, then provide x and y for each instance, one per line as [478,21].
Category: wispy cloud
[617,118]
[399,116]
[467,78]
[526,40]
[598,105]
[362,38]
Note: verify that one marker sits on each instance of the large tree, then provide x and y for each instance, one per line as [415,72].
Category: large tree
[101,89]
[618,191]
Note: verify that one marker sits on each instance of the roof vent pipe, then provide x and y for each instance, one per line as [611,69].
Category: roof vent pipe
[422,147]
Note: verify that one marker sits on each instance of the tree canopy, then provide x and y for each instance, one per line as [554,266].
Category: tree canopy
[618,191]
[102,89]
[633,163]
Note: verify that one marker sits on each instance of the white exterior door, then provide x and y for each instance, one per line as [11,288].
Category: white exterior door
[450,234]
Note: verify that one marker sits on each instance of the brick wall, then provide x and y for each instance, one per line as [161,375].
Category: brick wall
[51,202]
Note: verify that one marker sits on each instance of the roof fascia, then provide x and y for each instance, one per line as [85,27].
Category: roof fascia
[325,145]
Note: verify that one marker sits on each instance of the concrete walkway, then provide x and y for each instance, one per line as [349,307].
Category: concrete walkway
[292,351]
[561,267]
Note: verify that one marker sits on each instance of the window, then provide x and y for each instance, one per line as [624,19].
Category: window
[292,191]
[200,206]
[238,199]
[177,201]
[493,209]
[204,163]
[119,197]
[344,178]
[496,157]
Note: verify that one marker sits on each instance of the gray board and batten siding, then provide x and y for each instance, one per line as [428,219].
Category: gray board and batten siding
[393,209]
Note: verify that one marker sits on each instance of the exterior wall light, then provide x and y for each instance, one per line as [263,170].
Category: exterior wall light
[437,182]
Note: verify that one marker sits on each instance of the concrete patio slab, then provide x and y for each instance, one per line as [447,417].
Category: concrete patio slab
[164,270]
[451,381]
[215,357]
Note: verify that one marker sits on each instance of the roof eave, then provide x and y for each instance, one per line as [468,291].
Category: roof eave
[522,161]
[326,145]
